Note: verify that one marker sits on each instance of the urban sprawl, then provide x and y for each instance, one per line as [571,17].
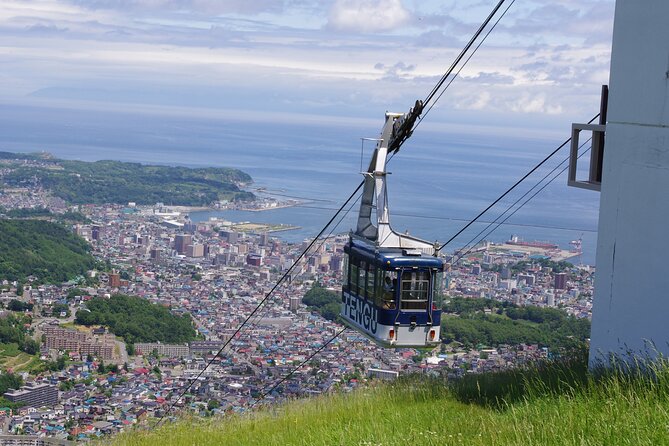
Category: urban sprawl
[218,275]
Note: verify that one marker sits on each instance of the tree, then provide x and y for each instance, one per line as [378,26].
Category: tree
[137,320]
[74,292]
[17,305]
[66,385]
[10,381]
[48,251]
[326,303]
[213,404]
[57,309]
[29,346]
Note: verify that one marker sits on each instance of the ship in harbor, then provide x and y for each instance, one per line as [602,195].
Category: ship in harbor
[515,240]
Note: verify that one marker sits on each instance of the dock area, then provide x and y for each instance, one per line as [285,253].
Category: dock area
[556,254]
[259,228]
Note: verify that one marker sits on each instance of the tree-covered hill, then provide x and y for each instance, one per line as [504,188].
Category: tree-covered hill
[467,321]
[323,301]
[46,250]
[101,182]
[137,320]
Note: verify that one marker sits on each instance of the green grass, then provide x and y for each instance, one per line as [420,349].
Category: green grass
[16,360]
[554,404]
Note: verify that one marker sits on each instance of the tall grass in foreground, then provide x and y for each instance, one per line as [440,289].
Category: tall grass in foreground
[556,403]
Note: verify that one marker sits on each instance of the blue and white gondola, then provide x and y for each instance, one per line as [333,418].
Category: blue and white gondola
[392,282]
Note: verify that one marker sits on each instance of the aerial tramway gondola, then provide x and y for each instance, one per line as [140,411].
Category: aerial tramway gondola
[391,290]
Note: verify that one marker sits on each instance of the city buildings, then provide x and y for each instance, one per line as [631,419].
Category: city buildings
[34,395]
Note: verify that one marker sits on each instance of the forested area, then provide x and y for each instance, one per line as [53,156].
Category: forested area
[44,213]
[12,330]
[522,265]
[327,303]
[137,320]
[466,321]
[100,182]
[48,251]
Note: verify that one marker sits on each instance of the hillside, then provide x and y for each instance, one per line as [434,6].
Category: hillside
[559,404]
[137,320]
[101,182]
[323,301]
[473,322]
[45,250]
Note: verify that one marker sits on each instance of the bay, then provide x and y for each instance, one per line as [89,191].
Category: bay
[440,179]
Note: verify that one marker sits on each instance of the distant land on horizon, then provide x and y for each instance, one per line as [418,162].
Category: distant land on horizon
[118,182]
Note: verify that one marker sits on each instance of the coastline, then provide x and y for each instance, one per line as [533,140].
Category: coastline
[271,208]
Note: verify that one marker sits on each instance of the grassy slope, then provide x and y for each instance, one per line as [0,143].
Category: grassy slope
[553,406]
[12,358]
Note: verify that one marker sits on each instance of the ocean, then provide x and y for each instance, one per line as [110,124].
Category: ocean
[439,180]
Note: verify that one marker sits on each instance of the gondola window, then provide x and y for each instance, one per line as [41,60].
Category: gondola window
[415,287]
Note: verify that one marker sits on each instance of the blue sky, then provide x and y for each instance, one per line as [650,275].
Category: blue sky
[303,59]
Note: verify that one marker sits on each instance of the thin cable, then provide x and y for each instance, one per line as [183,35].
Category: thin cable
[457,60]
[260,304]
[292,372]
[458,219]
[428,99]
[408,125]
[323,240]
[510,207]
[516,210]
[259,317]
[463,65]
[509,190]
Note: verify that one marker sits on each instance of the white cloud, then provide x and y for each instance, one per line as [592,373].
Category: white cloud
[192,6]
[367,16]
[534,103]
[473,101]
[282,55]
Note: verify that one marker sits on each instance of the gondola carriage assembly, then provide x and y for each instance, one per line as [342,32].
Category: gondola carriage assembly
[392,282]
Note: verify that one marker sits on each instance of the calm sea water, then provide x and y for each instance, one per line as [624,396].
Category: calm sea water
[439,180]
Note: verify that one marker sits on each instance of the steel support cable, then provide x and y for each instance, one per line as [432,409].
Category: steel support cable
[266,392]
[323,240]
[304,252]
[463,65]
[458,219]
[295,369]
[292,372]
[259,317]
[407,127]
[457,60]
[520,207]
[257,308]
[509,190]
[510,207]
[429,97]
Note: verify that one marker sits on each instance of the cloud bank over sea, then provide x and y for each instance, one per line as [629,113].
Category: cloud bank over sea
[543,64]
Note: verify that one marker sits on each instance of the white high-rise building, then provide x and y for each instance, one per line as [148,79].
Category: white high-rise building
[631,301]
